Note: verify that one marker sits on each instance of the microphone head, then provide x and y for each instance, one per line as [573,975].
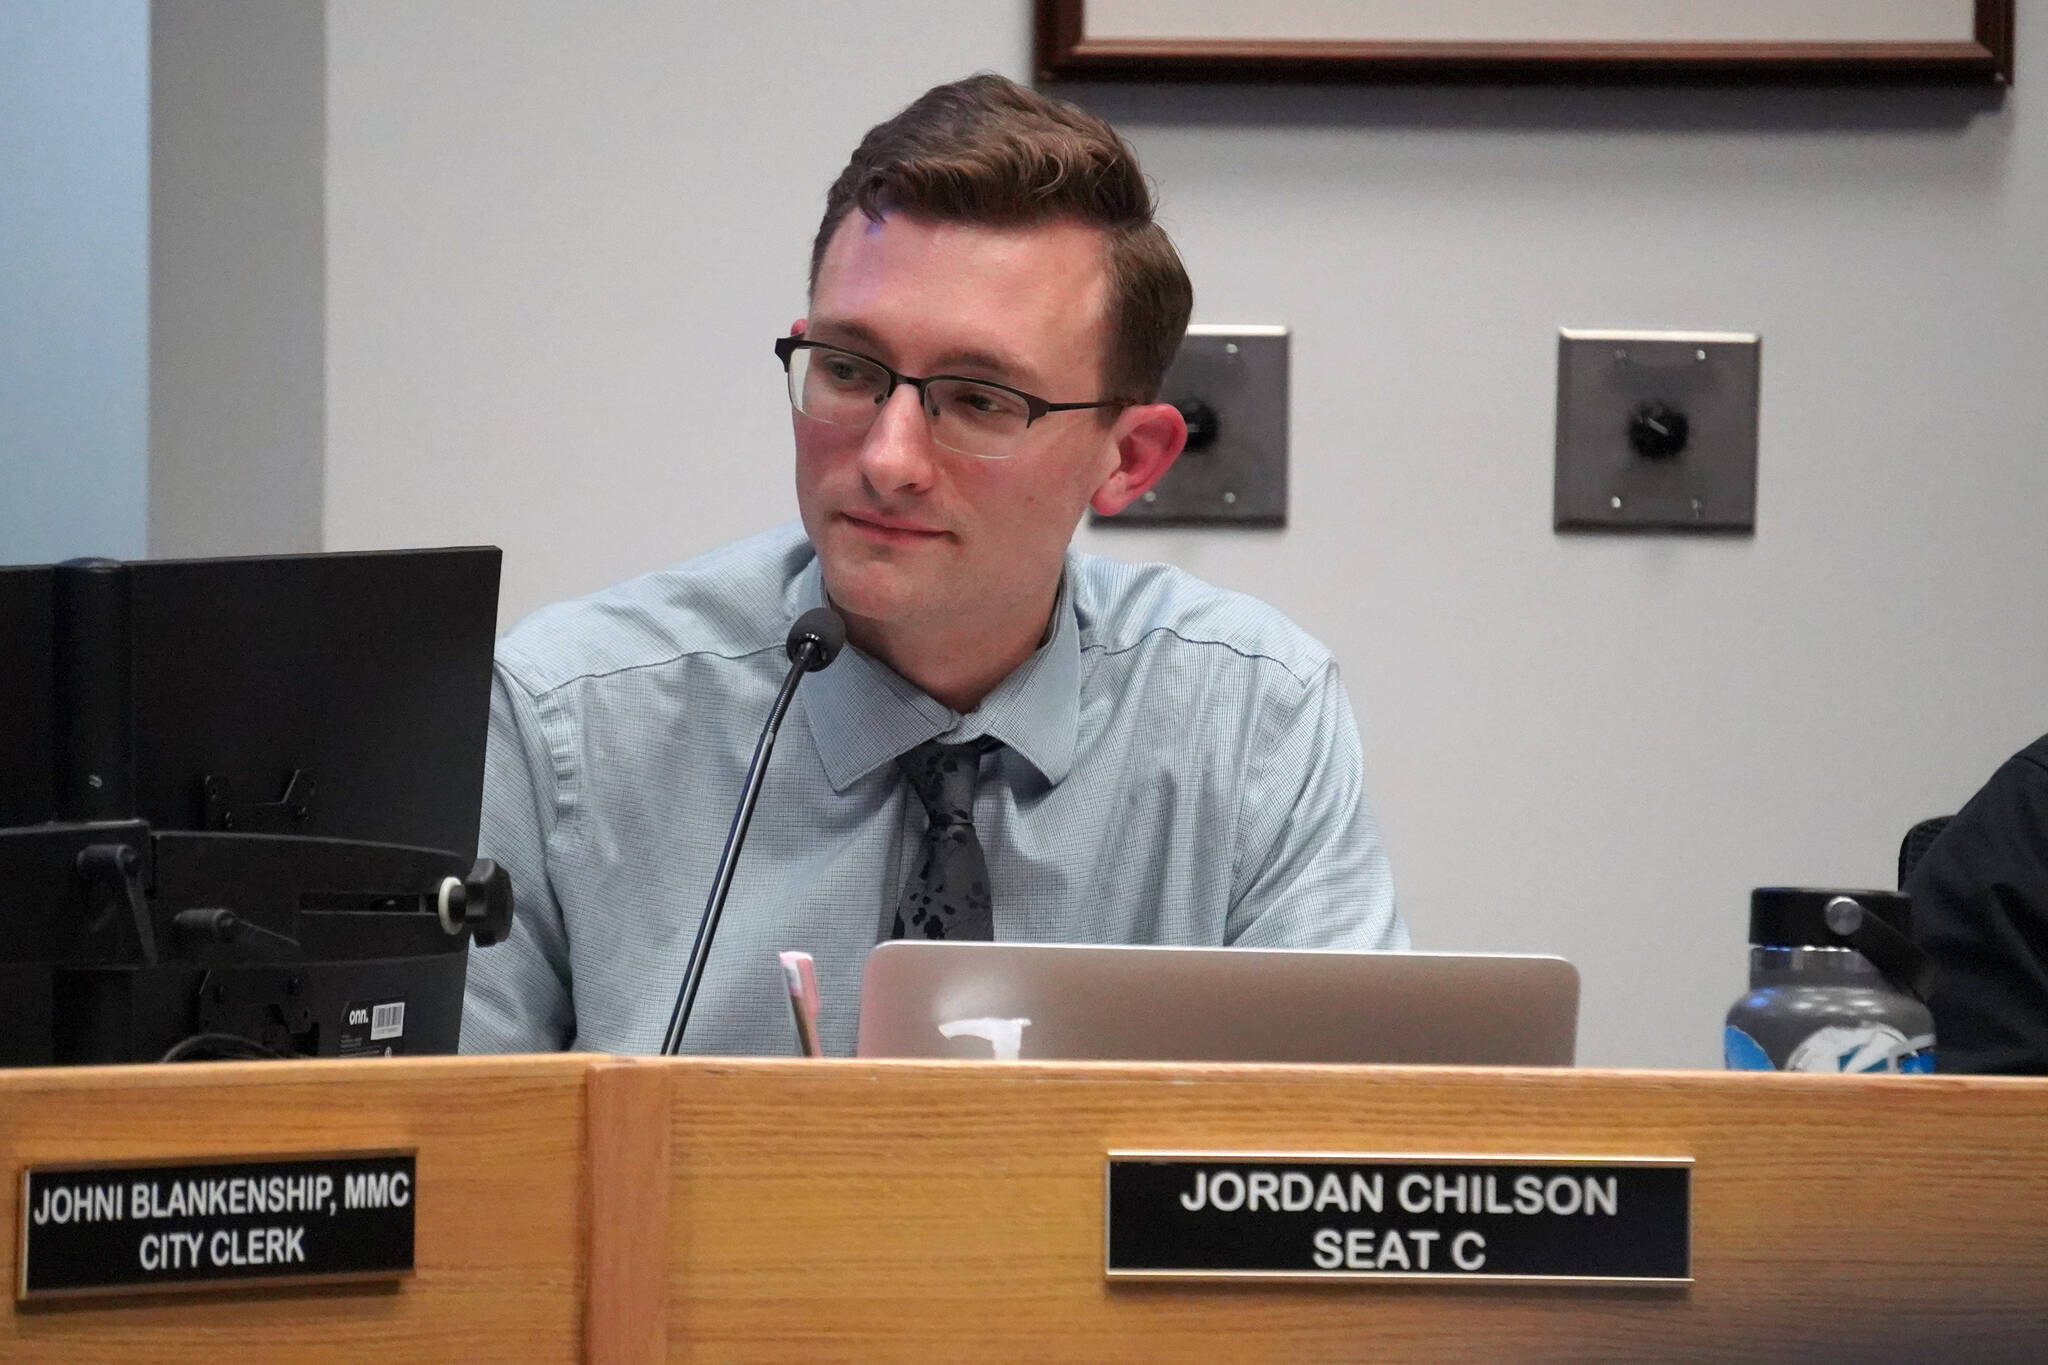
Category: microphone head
[821,628]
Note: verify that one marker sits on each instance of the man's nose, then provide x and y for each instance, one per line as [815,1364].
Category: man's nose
[898,454]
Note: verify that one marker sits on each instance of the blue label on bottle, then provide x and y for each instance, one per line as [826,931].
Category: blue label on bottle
[1744,1053]
[1861,1049]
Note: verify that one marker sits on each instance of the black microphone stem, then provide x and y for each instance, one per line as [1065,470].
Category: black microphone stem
[804,660]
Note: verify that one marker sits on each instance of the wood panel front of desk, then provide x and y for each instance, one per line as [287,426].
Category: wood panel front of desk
[853,1211]
[500,1213]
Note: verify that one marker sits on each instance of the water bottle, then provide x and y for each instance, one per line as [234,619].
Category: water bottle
[1835,984]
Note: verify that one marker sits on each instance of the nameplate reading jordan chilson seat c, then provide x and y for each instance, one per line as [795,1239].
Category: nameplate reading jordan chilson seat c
[1320,1216]
[105,1229]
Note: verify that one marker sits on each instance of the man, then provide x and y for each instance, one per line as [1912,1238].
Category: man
[1144,758]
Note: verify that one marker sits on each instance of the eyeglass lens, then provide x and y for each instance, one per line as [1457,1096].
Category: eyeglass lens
[846,390]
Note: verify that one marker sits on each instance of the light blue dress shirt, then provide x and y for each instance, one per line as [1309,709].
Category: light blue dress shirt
[1180,765]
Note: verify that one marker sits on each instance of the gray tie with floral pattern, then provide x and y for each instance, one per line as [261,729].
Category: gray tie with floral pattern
[947,894]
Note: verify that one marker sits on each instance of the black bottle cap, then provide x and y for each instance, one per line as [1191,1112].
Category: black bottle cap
[1797,916]
[1878,924]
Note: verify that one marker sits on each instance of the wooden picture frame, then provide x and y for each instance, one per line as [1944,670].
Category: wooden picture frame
[1498,48]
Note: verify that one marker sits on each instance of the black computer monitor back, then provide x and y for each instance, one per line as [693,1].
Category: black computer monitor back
[332,697]
[368,673]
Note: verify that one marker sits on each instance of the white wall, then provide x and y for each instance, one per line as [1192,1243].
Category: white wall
[237,276]
[74,278]
[560,239]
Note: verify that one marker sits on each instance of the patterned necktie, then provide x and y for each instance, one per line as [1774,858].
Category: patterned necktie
[947,895]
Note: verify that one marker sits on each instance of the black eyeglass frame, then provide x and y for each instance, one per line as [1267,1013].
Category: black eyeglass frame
[1034,406]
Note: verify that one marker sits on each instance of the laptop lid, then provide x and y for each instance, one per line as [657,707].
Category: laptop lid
[1070,1002]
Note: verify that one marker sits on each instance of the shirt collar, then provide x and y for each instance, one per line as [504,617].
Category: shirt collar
[862,713]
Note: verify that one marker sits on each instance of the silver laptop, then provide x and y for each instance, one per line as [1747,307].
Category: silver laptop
[1065,1002]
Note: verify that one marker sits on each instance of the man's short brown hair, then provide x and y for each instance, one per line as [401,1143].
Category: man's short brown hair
[989,151]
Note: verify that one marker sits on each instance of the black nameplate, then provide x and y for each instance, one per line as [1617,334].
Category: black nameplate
[124,1229]
[1451,1218]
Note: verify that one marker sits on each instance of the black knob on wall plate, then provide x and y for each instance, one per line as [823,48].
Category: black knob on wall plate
[1658,431]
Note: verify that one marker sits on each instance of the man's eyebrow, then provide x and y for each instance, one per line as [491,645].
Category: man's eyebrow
[1004,369]
[846,333]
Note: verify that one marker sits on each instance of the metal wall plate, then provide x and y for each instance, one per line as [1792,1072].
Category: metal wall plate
[1232,383]
[1656,431]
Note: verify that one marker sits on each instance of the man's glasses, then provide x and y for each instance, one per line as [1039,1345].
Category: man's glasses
[975,417]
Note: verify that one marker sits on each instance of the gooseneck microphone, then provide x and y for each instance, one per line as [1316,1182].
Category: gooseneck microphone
[814,641]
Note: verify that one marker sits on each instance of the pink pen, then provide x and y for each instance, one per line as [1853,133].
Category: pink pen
[802,980]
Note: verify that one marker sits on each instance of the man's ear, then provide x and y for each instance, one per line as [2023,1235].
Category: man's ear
[1153,434]
[796,329]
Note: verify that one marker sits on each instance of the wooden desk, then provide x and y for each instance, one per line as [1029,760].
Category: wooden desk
[631,1210]
[851,1211]
[500,1219]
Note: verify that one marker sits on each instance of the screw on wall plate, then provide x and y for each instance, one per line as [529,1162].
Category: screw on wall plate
[1230,497]
[1150,496]
[1699,355]
[1615,502]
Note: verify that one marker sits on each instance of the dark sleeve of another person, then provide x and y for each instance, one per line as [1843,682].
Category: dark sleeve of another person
[1980,906]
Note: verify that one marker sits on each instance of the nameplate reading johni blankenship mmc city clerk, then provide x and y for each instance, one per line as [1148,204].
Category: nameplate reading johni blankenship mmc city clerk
[218,1224]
